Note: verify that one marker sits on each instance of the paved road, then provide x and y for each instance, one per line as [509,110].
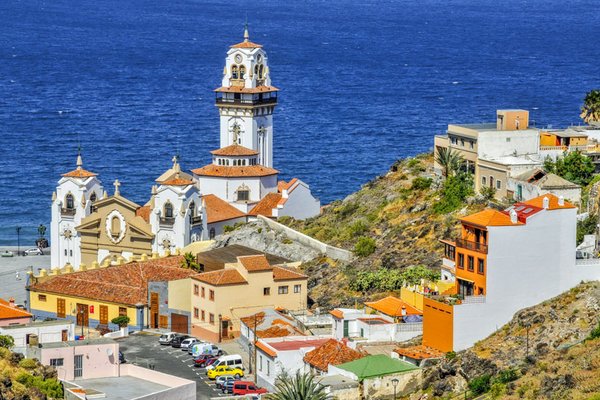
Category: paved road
[144,350]
[10,284]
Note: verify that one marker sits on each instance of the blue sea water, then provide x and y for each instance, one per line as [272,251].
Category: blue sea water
[363,83]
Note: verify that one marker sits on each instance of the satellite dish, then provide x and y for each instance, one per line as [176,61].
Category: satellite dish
[109,352]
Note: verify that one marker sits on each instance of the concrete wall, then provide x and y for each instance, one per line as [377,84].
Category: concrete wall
[180,389]
[330,251]
[493,144]
[530,191]
[46,333]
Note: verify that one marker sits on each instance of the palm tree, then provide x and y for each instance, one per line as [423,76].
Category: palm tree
[189,262]
[299,387]
[590,111]
[449,160]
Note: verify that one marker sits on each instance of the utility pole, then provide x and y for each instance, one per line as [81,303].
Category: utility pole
[255,341]
[18,240]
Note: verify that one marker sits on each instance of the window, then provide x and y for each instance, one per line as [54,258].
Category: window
[268,368]
[93,197]
[192,208]
[203,317]
[69,201]
[71,253]
[243,195]
[471,143]
[234,72]
[491,181]
[283,289]
[480,266]
[242,72]
[498,184]
[297,288]
[211,295]
[211,233]
[483,180]
[66,252]
[462,142]
[196,313]
[196,290]
[260,361]
[41,297]
[267,291]
[122,311]
[56,362]
[211,319]
[203,293]
[507,140]
[168,210]
[449,251]
[115,227]
[471,263]
[461,260]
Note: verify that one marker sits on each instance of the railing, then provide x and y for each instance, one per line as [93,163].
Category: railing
[473,300]
[565,148]
[67,211]
[270,100]
[470,245]
[409,327]
[587,261]
[167,220]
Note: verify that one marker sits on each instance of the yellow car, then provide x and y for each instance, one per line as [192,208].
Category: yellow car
[224,370]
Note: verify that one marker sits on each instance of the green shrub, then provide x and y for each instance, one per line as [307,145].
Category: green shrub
[507,375]
[487,192]
[28,363]
[358,228]
[420,183]
[287,241]
[480,385]
[586,227]
[451,355]
[497,390]
[121,320]
[364,246]
[595,333]
[50,387]
[259,230]
[6,341]
[455,191]
[228,228]
[389,279]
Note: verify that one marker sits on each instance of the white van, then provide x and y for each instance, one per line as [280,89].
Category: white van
[232,360]
[166,338]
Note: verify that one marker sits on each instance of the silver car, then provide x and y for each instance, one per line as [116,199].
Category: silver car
[187,343]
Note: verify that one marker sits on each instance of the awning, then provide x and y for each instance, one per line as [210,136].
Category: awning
[466,280]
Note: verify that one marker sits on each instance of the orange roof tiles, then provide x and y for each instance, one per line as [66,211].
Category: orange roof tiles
[121,284]
[79,173]
[552,202]
[337,313]
[255,263]
[246,44]
[144,212]
[228,276]
[219,210]
[230,171]
[241,89]
[177,182]
[419,352]
[234,150]
[266,205]
[392,306]
[8,311]
[286,274]
[266,349]
[331,352]
[489,217]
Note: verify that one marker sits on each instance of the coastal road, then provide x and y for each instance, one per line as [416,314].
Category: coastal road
[12,285]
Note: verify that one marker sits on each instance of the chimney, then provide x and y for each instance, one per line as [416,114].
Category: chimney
[513,216]
[561,201]
[546,203]
[11,301]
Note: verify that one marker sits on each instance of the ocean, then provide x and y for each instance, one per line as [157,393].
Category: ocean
[362,84]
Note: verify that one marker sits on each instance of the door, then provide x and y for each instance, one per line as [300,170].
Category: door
[519,192]
[61,309]
[64,335]
[224,329]
[179,323]
[83,316]
[154,310]
[465,288]
[78,371]
[104,315]
[346,328]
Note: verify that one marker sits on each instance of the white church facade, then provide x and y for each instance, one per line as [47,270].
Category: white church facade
[239,183]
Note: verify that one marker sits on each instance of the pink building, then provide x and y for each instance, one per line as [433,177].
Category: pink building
[10,314]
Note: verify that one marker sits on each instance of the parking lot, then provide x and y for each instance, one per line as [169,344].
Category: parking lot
[143,349]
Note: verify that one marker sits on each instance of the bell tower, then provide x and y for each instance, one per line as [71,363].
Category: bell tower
[246,100]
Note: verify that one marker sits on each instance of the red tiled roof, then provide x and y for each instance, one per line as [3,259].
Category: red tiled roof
[331,352]
[8,311]
[489,217]
[79,173]
[419,352]
[392,306]
[219,210]
[246,44]
[121,284]
[552,200]
[144,212]
[233,172]
[266,349]
[266,205]
[241,89]
[222,277]
[255,263]
[287,345]
[234,150]
[177,182]
[286,274]
[337,313]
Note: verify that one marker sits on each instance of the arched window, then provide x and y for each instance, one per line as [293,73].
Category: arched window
[234,72]
[261,71]
[256,71]
[243,72]
[115,226]
[211,233]
[93,197]
[69,201]
[168,210]
[192,209]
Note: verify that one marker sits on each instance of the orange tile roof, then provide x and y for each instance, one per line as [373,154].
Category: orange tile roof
[234,150]
[287,274]
[339,314]
[144,212]
[230,171]
[489,217]
[219,210]
[331,352]
[392,306]
[177,182]
[266,349]
[266,205]
[419,352]
[278,328]
[283,185]
[222,277]
[79,173]
[8,311]
[121,284]
[241,89]
[246,44]
[553,202]
[255,263]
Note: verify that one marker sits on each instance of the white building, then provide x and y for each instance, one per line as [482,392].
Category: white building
[537,182]
[42,332]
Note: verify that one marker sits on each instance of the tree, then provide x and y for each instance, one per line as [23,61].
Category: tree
[455,191]
[121,320]
[189,262]
[6,341]
[573,166]
[301,386]
[590,111]
[449,160]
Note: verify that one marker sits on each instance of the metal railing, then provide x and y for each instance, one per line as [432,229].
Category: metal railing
[270,100]
[473,300]
[409,327]
[167,220]
[67,211]
[470,245]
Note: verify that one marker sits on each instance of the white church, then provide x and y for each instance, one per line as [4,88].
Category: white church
[238,185]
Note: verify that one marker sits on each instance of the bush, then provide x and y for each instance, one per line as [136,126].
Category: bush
[507,375]
[228,228]
[586,227]
[28,363]
[497,390]
[389,279]
[50,387]
[455,191]
[487,192]
[358,228]
[420,183]
[451,355]
[365,246]
[7,341]
[480,385]
[574,166]
[595,333]
[121,320]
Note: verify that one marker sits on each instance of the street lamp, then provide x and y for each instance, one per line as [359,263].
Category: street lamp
[395,382]
[18,240]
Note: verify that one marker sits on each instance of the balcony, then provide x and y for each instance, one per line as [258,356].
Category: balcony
[167,220]
[197,220]
[68,211]
[246,102]
[469,245]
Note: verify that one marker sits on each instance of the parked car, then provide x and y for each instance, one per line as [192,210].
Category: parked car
[203,360]
[241,388]
[220,381]
[227,386]
[187,343]
[208,348]
[122,359]
[177,339]
[193,349]
[34,251]
[7,253]
[166,338]
[224,370]
[232,360]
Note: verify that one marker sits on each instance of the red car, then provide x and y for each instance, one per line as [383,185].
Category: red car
[204,360]
[246,387]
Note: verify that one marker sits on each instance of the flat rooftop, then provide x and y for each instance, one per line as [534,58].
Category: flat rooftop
[36,324]
[120,388]
[75,343]
[483,126]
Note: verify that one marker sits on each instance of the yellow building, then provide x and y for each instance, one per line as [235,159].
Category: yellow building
[96,295]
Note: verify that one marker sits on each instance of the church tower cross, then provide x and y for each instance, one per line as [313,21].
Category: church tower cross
[117,184]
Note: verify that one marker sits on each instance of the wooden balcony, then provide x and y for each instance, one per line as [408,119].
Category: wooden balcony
[469,245]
